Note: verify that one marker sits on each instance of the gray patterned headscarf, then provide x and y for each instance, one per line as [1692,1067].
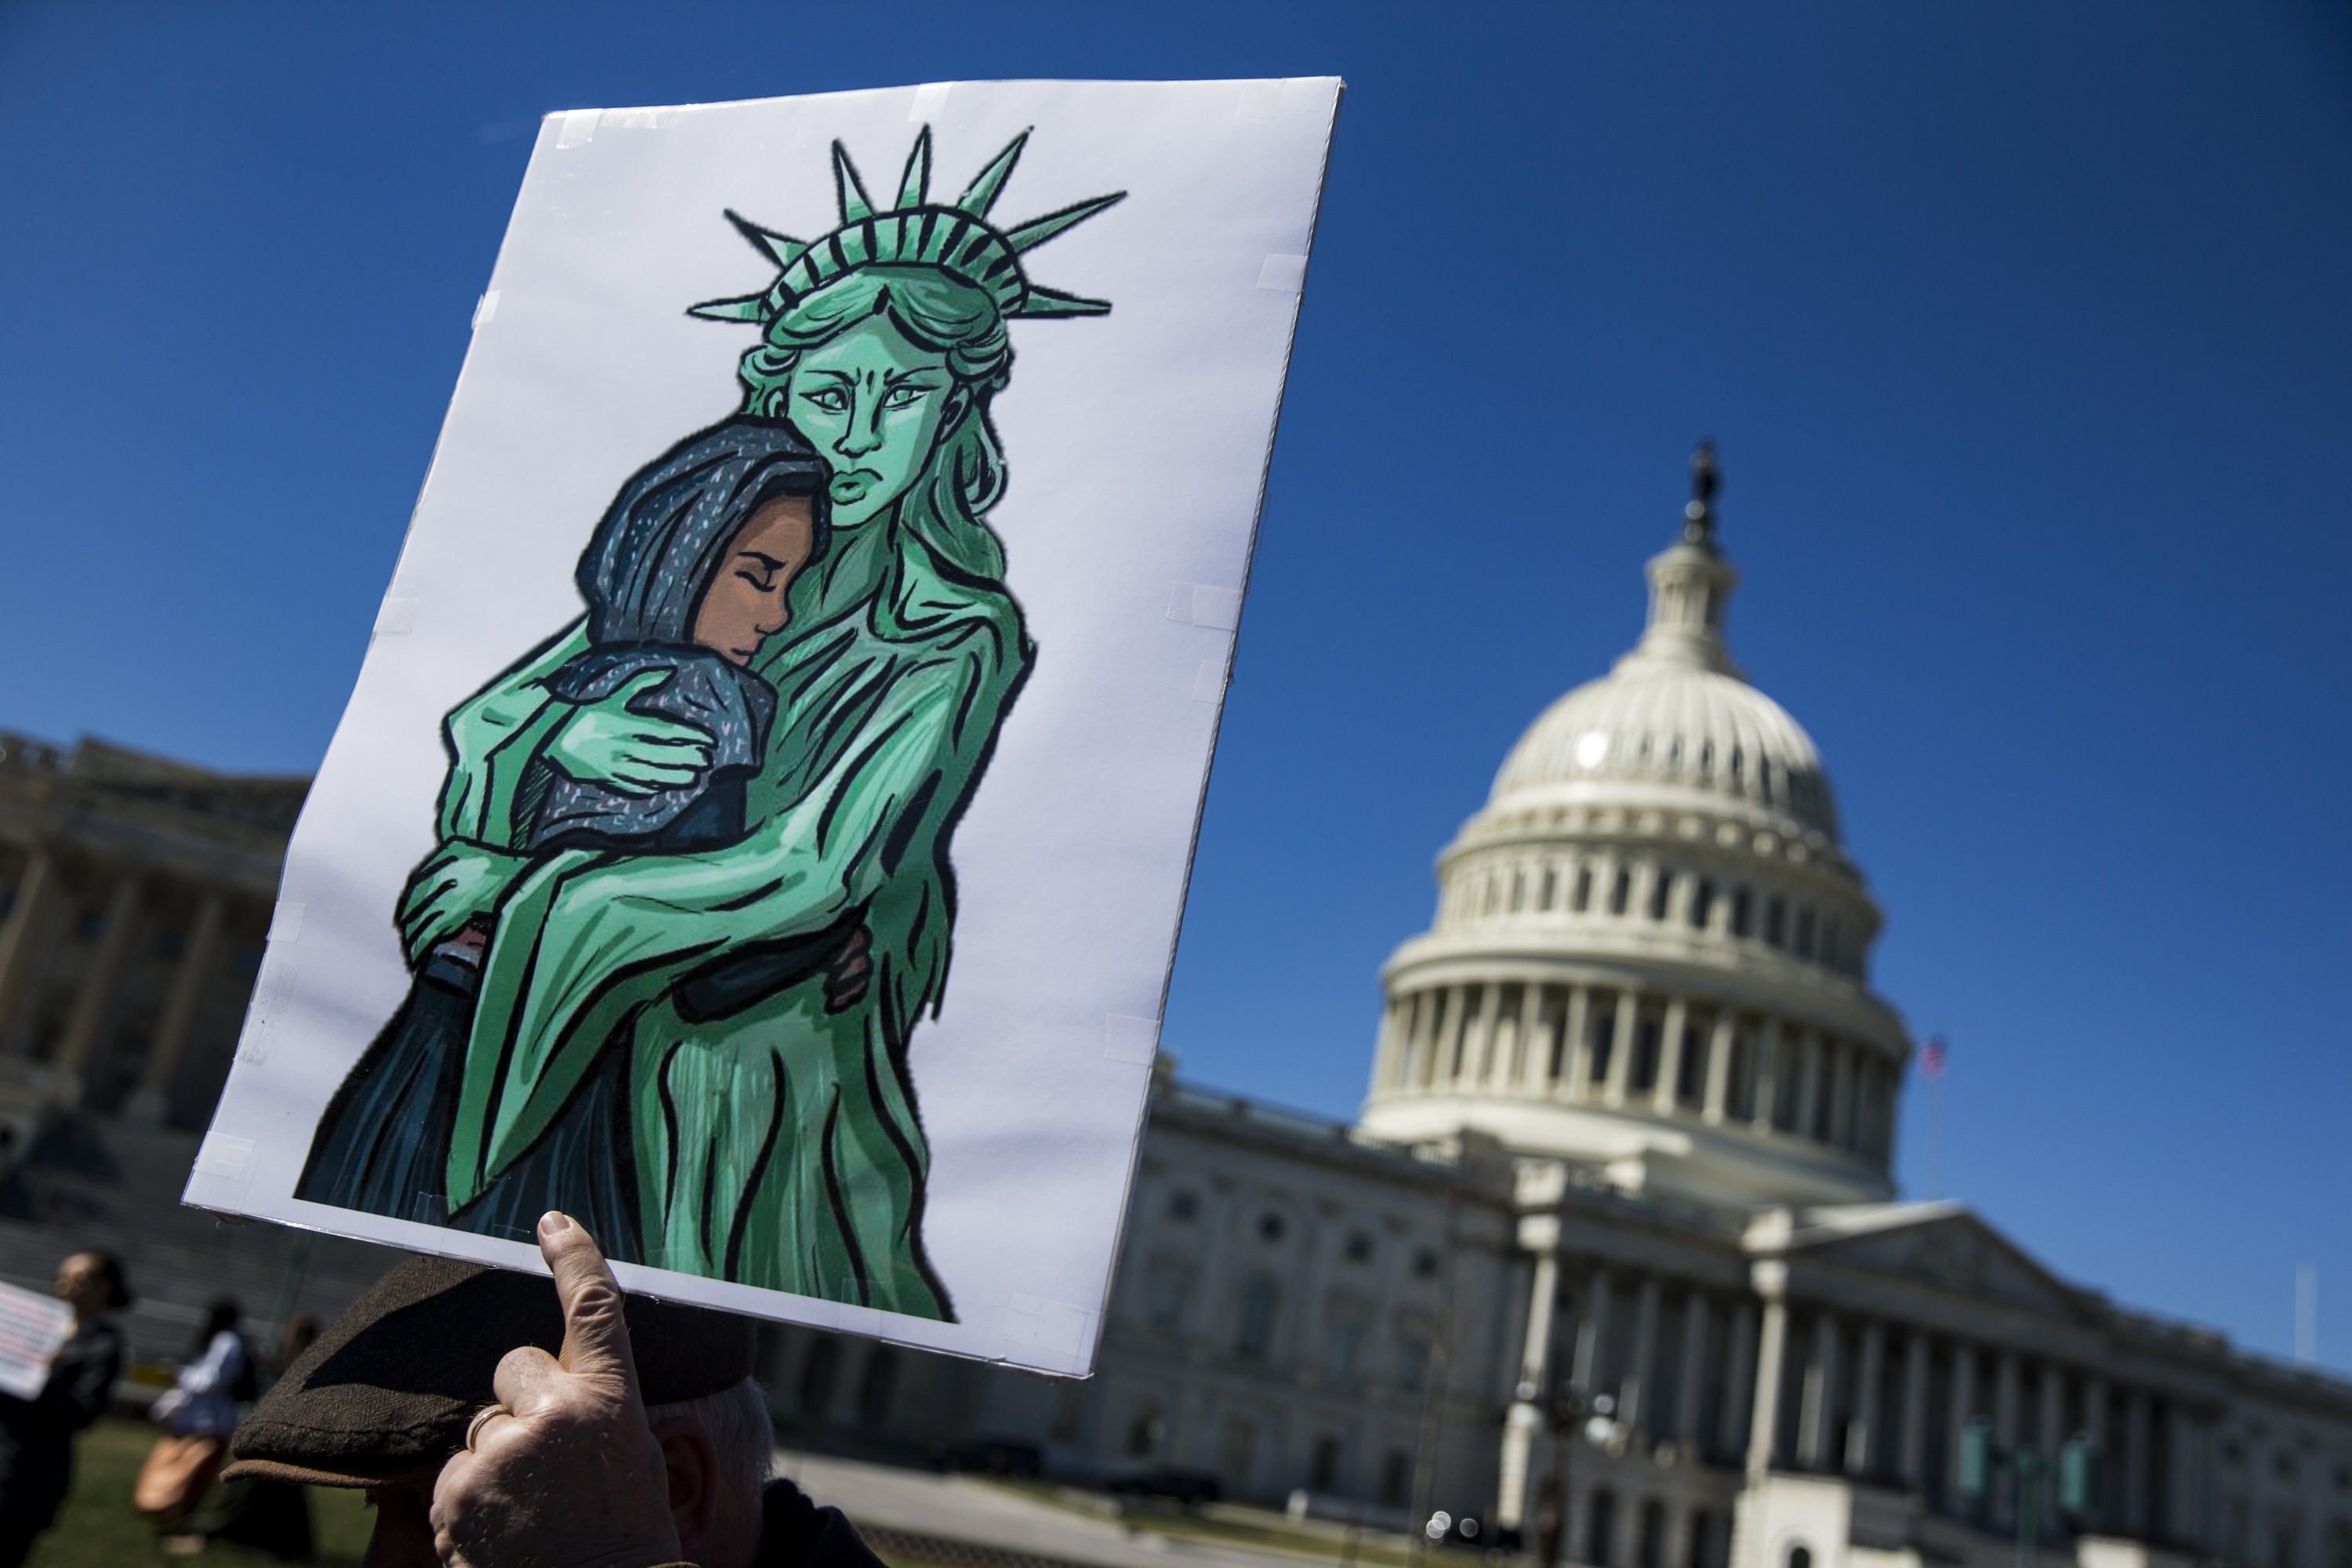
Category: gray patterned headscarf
[655,553]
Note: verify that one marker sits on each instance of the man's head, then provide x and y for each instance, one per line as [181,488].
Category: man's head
[92,1283]
[387,1395]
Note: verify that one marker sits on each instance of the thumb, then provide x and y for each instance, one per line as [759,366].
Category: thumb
[595,1328]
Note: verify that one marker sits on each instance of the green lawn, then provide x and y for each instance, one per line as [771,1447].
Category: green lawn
[99,1529]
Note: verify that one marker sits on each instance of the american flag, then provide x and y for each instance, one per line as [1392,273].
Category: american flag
[1931,1057]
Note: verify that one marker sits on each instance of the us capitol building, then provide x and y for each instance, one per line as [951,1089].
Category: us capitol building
[1629,1135]
[1630,1128]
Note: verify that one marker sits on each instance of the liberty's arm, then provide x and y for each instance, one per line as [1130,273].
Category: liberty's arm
[499,743]
[586,938]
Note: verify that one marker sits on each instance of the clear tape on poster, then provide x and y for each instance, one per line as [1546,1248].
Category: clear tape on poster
[1201,605]
[1283,274]
[1131,1039]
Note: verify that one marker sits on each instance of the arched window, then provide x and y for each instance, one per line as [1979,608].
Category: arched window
[1661,887]
[1583,900]
[1550,888]
[1621,892]
[1739,912]
[1801,1556]
[1702,903]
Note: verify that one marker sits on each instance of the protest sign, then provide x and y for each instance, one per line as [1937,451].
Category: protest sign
[762,823]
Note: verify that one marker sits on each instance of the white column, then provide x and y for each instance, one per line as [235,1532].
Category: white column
[2181,1450]
[1814,1415]
[1766,1062]
[1771,1347]
[1862,1433]
[2053,1416]
[152,1100]
[1592,1334]
[1915,1410]
[1525,1419]
[1386,1063]
[1575,1066]
[1477,1033]
[1670,1055]
[2095,1427]
[25,937]
[1633,1395]
[1691,1385]
[94,1003]
[1453,1004]
[1963,1411]
[1738,1376]
[2005,1418]
[1718,1063]
[1421,1054]
[1621,1051]
[2137,1430]
[1537,1023]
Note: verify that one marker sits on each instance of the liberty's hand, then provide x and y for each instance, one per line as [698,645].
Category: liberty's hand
[603,744]
[568,1472]
[459,884]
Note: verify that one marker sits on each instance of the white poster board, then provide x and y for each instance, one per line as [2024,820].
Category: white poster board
[801,918]
[33,1329]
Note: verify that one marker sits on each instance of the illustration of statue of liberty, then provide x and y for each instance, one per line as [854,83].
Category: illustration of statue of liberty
[693,889]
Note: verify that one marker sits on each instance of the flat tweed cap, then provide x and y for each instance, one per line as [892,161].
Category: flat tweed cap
[386,1394]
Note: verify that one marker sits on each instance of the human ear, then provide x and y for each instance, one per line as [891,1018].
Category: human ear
[691,1462]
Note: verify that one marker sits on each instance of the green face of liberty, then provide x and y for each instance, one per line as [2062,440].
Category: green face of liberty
[873,402]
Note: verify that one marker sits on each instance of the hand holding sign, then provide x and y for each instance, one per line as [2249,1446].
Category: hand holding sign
[565,1470]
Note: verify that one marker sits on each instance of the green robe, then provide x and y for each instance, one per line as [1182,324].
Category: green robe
[780,1145]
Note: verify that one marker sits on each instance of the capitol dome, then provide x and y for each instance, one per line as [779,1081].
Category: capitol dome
[1664,725]
[1651,951]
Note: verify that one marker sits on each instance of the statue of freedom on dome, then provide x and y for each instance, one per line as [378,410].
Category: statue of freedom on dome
[715,1035]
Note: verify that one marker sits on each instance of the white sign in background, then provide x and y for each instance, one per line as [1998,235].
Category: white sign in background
[1135,444]
[33,1329]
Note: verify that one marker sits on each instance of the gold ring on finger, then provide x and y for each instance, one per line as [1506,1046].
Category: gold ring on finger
[474,1428]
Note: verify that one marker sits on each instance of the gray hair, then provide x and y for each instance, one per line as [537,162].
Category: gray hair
[736,1419]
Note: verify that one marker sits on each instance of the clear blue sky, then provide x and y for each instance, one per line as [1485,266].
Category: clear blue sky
[2024,331]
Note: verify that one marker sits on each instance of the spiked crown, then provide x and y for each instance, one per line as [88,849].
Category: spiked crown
[957,239]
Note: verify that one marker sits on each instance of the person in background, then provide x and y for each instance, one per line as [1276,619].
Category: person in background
[198,1413]
[37,1435]
[267,1515]
[647,1444]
